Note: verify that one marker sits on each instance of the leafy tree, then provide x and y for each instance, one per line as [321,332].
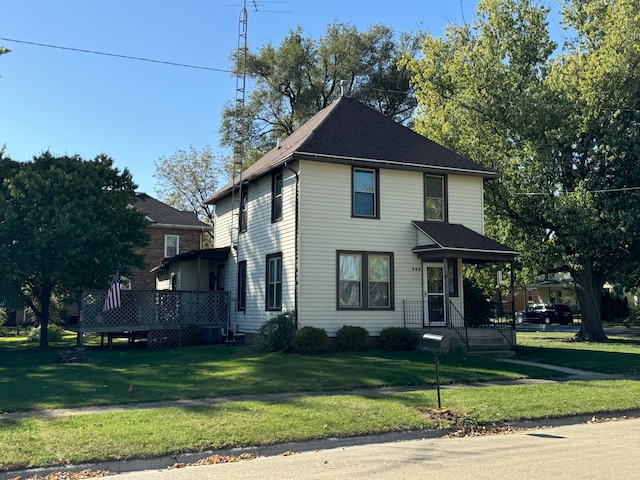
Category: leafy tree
[65,225]
[560,128]
[293,81]
[187,178]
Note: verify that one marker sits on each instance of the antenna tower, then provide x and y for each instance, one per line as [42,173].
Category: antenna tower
[240,134]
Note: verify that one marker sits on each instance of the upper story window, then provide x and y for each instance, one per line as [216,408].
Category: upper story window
[434,198]
[365,193]
[171,245]
[276,197]
[244,207]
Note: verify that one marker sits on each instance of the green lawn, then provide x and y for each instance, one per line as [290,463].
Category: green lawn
[29,380]
[620,355]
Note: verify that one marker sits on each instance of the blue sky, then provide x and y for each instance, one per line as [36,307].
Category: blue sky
[135,111]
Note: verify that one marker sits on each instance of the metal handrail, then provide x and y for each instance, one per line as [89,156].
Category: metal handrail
[457,323]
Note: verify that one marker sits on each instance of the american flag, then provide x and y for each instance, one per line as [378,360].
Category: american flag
[113,294]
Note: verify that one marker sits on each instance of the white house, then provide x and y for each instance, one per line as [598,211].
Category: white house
[353,220]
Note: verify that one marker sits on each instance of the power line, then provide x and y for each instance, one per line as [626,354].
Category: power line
[537,194]
[128,57]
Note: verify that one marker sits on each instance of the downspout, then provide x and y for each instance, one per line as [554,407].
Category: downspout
[296,241]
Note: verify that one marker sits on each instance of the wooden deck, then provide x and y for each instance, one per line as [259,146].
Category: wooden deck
[162,318]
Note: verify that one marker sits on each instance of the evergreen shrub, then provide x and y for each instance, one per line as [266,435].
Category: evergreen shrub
[396,338]
[352,337]
[311,341]
[277,333]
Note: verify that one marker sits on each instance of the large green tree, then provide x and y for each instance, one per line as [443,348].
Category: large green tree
[66,224]
[559,126]
[294,80]
[189,177]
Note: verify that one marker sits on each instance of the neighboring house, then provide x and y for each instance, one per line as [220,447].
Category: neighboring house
[353,220]
[548,288]
[171,232]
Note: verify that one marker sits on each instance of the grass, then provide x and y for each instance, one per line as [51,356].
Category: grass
[620,355]
[31,381]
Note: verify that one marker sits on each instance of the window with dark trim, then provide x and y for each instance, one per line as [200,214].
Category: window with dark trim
[244,207]
[276,197]
[365,193]
[434,198]
[242,285]
[274,282]
[365,281]
[452,277]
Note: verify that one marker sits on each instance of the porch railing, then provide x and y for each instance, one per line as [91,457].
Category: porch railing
[456,320]
[414,317]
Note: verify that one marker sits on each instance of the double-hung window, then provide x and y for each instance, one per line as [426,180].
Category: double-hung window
[171,245]
[274,282]
[365,280]
[365,191]
[242,285]
[276,197]
[434,198]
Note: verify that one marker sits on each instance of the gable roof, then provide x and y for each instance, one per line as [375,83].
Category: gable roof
[161,214]
[348,131]
[451,240]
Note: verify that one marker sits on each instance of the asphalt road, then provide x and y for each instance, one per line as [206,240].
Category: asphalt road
[607,450]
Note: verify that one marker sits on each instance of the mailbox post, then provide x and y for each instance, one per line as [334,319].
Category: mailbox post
[439,344]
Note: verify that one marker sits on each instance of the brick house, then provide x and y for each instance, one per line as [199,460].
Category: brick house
[171,232]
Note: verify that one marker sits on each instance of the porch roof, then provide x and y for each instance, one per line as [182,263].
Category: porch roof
[450,240]
[206,253]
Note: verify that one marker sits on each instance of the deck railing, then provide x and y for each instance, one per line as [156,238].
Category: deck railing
[156,308]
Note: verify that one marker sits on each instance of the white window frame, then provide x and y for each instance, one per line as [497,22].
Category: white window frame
[167,246]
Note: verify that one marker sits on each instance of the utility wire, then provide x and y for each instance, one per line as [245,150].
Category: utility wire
[534,194]
[128,57]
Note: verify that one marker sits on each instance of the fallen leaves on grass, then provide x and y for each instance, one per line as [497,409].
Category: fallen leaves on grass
[459,426]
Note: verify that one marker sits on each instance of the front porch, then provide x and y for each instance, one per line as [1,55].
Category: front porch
[495,338]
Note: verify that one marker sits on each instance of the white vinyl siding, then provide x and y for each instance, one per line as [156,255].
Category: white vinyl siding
[326,226]
[466,204]
[262,238]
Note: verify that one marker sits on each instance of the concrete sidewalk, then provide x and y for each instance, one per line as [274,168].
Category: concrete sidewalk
[275,450]
[572,374]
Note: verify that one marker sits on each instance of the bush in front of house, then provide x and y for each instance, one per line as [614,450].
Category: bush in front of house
[277,333]
[351,337]
[310,340]
[55,334]
[396,338]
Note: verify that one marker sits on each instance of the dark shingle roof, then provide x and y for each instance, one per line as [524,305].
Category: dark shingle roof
[350,131]
[464,242]
[162,214]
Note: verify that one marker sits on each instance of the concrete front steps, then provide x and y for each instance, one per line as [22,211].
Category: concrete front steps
[488,342]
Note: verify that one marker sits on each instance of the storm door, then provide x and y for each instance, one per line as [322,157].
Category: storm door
[434,298]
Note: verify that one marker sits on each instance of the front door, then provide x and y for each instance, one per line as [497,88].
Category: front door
[433,286]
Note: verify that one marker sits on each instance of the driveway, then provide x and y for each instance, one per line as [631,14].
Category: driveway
[586,451]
